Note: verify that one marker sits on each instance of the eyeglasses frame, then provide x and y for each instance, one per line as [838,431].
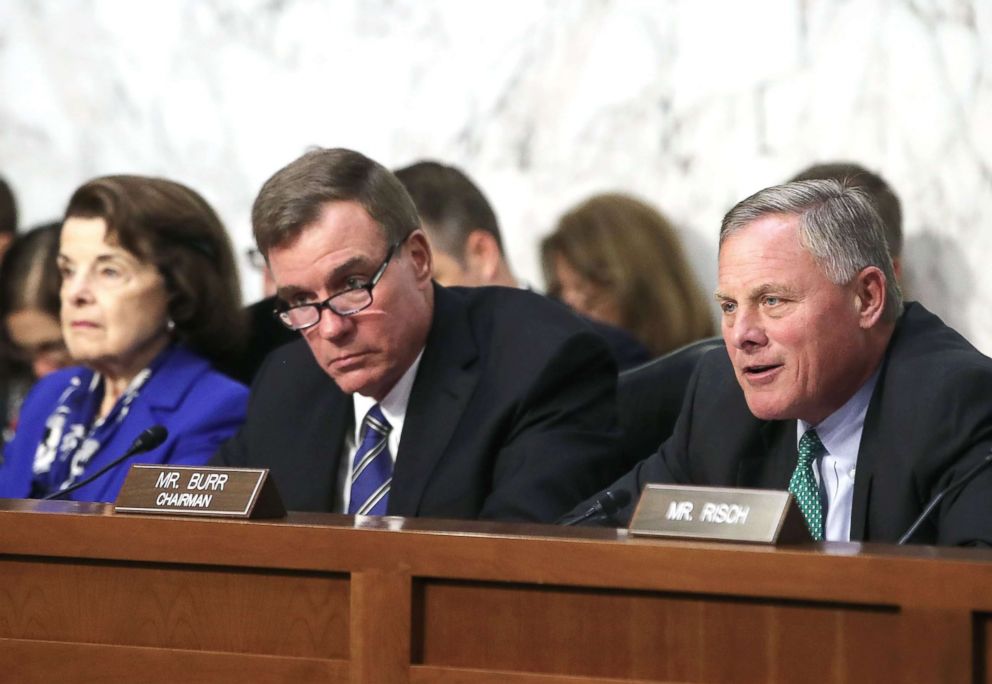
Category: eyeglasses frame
[320,306]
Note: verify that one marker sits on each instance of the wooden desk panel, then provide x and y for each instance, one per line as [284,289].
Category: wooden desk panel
[87,595]
[593,633]
[172,606]
[48,662]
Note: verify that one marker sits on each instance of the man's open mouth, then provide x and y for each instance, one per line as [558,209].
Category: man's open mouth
[759,369]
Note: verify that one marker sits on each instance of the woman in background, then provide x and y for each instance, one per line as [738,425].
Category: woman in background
[29,301]
[618,260]
[150,298]
[31,344]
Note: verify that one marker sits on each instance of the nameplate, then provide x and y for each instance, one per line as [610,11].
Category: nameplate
[761,516]
[185,490]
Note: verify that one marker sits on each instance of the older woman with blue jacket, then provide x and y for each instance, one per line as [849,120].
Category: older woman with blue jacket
[150,302]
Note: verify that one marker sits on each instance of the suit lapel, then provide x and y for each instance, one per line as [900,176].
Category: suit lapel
[158,399]
[872,444]
[862,493]
[142,414]
[330,438]
[445,380]
[170,382]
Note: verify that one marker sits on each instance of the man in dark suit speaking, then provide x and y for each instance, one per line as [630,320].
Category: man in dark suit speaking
[829,386]
[404,397]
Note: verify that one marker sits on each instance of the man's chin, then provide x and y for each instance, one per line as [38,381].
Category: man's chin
[364,382]
[349,383]
[764,409]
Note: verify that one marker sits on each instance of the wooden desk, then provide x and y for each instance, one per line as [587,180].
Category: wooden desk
[86,595]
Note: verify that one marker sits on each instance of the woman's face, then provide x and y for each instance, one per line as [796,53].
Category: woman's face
[588,298]
[37,339]
[114,307]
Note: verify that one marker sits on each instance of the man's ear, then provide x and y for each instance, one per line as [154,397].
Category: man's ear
[482,256]
[420,255]
[870,296]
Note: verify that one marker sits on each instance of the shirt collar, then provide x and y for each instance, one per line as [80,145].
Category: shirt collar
[393,405]
[845,422]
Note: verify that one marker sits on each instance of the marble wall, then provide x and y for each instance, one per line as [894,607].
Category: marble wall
[692,104]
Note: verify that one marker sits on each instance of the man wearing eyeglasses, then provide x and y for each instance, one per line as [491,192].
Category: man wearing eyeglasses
[404,397]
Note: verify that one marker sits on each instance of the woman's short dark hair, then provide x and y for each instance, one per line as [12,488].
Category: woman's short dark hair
[167,224]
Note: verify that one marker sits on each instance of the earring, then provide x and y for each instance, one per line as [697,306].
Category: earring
[170,325]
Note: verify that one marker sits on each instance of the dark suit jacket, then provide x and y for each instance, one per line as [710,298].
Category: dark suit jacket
[512,415]
[929,421]
[627,351]
[264,333]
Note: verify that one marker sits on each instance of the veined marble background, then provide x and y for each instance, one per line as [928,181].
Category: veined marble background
[691,104]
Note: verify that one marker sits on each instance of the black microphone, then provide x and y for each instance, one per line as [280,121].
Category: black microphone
[957,484]
[146,441]
[607,505]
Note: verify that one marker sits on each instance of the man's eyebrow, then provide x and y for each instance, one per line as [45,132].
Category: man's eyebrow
[778,288]
[346,267]
[760,291]
[287,293]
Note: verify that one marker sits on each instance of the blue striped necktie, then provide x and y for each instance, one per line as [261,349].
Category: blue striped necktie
[372,471]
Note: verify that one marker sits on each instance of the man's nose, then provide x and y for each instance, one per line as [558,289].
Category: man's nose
[332,325]
[746,330]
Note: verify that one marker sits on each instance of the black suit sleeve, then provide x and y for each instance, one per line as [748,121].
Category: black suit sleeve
[276,389]
[564,436]
[234,452]
[965,516]
[668,465]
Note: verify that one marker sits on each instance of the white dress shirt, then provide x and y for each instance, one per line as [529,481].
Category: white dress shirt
[840,433]
[393,407]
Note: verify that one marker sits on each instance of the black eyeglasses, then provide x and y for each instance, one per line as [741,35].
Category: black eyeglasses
[345,303]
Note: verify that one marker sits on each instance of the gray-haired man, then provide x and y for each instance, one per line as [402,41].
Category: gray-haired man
[829,386]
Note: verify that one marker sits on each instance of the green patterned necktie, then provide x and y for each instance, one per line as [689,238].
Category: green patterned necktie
[803,484]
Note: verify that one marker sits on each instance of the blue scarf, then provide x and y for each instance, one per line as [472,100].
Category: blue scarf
[72,431]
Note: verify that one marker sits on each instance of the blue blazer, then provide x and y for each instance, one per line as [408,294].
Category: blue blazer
[197,405]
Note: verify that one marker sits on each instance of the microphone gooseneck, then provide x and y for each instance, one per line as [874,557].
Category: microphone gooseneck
[957,484]
[146,441]
[607,505]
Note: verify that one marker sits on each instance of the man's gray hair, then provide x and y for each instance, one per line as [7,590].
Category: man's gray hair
[838,226]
